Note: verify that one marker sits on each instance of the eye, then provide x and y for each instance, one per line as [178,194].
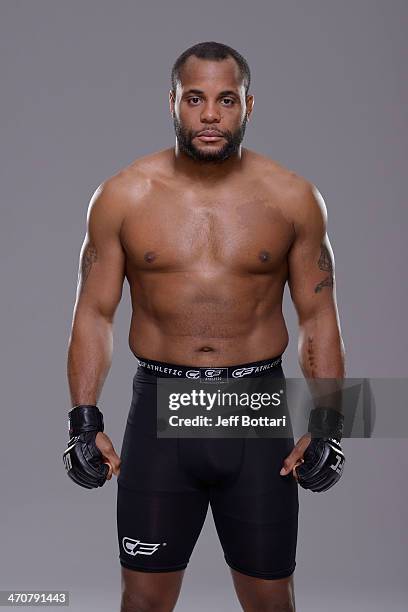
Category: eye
[193,98]
[229,100]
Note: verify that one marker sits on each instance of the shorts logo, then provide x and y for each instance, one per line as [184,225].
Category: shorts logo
[240,372]
[212,373]
[136,547]
[193,374]
[207,373]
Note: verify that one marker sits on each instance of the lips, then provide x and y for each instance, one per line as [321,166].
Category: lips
[209,136]
[209,133]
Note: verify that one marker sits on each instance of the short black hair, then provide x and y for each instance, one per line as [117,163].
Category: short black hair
[211,51]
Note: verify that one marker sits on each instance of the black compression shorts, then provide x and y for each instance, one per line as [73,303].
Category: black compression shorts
[165,486]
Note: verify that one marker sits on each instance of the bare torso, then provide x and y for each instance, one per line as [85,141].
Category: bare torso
[207,266]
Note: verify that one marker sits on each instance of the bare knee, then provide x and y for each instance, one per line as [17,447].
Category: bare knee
[144,601]
[278,604]
[150,591]
[289,606]
[271,606]
[258,595]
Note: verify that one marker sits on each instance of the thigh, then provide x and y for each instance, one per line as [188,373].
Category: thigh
[157,530]
[160,508]
[257,516]
[160,511]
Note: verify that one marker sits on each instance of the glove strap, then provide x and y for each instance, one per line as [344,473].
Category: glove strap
[326,423]
[84,417]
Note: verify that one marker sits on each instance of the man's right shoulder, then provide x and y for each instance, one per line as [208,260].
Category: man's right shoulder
[133,182]
[126,184]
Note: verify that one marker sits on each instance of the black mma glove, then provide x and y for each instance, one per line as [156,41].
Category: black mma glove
[83,459]
[323,460]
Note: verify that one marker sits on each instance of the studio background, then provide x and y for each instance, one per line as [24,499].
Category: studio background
[84,89]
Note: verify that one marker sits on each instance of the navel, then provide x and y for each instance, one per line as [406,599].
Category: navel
[206,349]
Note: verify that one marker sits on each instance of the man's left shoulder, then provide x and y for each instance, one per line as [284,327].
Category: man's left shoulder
[304,203]
[278,177]
[297,195]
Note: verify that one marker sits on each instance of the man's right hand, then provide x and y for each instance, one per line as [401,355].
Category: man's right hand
[90,458]
[83,461]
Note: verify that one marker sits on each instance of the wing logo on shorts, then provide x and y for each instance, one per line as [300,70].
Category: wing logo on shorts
[136,547]
[240,372]
[212,373]
[193,374]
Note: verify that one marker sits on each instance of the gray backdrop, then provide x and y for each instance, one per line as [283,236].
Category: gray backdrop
[84,89]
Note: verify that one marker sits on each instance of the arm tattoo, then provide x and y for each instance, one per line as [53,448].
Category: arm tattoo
[89,256]
[325,264]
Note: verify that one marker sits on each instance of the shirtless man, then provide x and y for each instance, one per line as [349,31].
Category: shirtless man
[207,234]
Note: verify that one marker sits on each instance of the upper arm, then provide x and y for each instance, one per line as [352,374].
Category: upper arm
[102,259]
[311,261]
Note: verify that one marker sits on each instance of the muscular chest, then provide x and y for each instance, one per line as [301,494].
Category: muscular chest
[176,233]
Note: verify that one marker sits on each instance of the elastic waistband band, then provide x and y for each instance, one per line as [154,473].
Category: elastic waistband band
[243,370]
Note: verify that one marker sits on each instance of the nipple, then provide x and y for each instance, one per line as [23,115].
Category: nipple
[149,256]
[264,256]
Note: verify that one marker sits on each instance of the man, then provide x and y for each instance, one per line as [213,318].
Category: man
[207,234]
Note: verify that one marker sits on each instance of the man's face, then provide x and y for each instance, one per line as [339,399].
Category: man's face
[211,97]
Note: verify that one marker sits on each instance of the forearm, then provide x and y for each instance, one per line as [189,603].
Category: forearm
[321,357]
[321,350]
[89,356]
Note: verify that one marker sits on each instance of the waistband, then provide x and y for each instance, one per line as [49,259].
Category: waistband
[162,369]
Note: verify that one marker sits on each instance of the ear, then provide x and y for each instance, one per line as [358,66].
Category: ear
[250,101]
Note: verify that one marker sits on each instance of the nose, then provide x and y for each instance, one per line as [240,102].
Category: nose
[210,113]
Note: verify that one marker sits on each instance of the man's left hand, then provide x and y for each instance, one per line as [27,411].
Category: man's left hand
[296,456]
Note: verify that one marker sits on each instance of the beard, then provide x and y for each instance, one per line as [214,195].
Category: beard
[230,146]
